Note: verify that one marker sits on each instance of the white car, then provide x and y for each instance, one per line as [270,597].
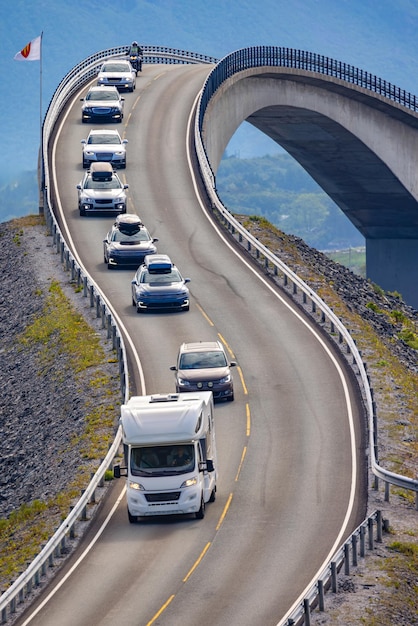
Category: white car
[104,145]
[102,103]
[119,73]
[101,191]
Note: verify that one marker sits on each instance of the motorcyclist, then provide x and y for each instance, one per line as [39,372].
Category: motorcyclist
[135,53]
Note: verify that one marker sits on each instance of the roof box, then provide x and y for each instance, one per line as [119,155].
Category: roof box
[101,171]
[158,263]
[128,223]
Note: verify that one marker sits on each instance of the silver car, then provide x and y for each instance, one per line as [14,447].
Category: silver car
[104,145]
[102,103]
[101,191]
[119,73]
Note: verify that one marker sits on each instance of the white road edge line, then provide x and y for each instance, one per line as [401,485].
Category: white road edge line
[81,557]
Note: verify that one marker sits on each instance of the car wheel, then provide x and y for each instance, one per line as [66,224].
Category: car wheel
[230,398]
[85,164]
[200,514]
[109,266]
[123,166]
[186,308]
[82,212]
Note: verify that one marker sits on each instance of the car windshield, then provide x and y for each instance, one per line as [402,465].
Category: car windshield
[105,138]
[160,279]
[162,460]
[202,360]
[114,67]
[102,95]
[140,235]
[114,183]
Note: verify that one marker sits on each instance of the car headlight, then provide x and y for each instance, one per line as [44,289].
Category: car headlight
[226,379]
[89,152]
[184,382]
[119,153]
[189,482]
[136,486]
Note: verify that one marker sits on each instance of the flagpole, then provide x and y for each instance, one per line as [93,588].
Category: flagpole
[42,178]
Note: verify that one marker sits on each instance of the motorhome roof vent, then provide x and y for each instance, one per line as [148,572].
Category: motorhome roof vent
[167,397]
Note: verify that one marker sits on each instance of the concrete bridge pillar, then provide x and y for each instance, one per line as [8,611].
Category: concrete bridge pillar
[393,265]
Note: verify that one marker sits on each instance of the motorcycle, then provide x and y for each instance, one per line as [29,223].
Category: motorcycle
[136,62]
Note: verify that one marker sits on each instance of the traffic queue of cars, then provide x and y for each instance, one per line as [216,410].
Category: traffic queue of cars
[157,283]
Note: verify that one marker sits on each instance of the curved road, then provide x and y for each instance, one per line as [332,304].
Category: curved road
[288,447]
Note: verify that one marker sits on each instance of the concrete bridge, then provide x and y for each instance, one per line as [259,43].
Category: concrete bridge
[355,134]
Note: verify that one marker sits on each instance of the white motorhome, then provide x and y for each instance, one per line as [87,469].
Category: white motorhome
[170,454]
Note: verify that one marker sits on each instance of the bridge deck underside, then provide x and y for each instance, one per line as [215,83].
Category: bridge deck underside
[351,174]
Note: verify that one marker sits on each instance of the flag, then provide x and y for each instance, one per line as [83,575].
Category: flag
[31,52]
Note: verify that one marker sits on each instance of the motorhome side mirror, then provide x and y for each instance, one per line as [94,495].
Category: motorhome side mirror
[116,471]
[209,465]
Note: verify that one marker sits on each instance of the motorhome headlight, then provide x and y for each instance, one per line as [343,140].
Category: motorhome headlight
[136,486]
[190,482]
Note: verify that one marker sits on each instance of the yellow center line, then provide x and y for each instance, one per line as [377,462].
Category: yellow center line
[204,315]
[162,609]
[202,554]
[244,452]
[247,409]
[224,512]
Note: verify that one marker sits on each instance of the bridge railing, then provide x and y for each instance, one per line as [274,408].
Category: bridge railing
[273,56]
[262,56]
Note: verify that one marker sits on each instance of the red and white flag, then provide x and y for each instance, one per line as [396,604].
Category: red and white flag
[31,52]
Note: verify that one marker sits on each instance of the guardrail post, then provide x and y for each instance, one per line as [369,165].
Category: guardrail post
[346,559]
[334,585]
[85,286]
[354,549]
[387,491]
[321,595]
[91,296]
[362,541]
[307,612]
[370,533]
[379,526]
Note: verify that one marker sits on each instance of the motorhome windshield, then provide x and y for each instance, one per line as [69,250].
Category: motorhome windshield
[162,460]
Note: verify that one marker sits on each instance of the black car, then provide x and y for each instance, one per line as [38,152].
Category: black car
[128,242]
[102,103]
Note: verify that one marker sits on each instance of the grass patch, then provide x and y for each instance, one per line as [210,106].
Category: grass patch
[60,329]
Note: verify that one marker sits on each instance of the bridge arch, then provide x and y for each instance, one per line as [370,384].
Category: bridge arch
[358,144]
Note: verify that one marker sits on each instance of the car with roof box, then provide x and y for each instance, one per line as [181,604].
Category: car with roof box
[128,242]
[158,285]
[101,191]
